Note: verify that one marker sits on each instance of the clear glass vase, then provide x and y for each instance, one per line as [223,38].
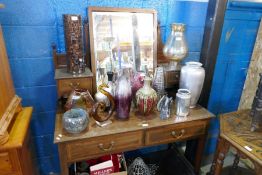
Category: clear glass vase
[176,47]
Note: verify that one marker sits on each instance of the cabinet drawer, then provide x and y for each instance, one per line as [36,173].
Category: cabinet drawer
[5,163]
[94,147]
[65,86]
[174,132]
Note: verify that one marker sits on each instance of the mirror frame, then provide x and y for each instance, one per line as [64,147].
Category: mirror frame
[112,9]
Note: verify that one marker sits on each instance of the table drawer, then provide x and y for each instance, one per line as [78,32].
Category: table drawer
[65,86]
[174,132]
[91,148]
[5,163]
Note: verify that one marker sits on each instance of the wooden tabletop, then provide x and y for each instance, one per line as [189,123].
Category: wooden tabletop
[135,122]
[19,129]
[235,128]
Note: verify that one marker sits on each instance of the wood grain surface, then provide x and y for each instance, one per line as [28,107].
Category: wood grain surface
[7,91]
[136,122]
[235,128]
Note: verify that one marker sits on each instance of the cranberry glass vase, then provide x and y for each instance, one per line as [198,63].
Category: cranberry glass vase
[123,95]
[137,82]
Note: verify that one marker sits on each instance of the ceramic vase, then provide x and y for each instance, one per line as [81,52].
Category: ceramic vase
[123,95]
[192,78]
[146,97]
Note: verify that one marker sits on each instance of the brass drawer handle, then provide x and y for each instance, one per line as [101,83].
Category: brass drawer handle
[101,146]
[74,85]
[178,135]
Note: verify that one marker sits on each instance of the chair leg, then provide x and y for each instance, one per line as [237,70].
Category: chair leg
[236,161]
[222,149]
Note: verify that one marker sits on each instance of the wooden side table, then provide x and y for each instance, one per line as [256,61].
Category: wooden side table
[235,132]
[135,133]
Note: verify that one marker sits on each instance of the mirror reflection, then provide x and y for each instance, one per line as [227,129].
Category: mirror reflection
[123,40]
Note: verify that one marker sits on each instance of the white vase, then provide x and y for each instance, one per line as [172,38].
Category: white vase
[192,78]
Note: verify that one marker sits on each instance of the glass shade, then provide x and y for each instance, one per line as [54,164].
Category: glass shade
[176,48]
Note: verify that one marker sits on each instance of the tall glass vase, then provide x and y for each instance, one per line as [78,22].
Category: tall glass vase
[123,95]
[176,47]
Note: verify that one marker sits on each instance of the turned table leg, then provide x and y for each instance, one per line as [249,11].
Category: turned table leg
[199,153]
[222,149]
[63,160]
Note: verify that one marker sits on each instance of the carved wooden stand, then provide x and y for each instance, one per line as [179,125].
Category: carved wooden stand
[235,132]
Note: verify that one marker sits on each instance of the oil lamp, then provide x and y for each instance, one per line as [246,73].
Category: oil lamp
[176,48]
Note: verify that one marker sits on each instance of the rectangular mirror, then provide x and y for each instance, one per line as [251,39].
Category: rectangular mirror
[122,38]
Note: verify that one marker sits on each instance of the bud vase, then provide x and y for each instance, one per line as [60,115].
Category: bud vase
[146,97]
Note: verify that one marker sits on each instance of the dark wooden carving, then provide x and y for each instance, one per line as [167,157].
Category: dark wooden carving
[256,111]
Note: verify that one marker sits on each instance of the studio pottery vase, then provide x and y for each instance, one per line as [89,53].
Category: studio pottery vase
[146,97]
[192,78]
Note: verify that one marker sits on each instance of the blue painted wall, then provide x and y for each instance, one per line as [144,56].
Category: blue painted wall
[30,26]
[238,37]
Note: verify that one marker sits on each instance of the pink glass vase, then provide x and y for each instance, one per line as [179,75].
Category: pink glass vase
[123,95]
[137,82]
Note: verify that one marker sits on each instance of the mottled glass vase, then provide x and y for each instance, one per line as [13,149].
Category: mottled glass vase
[123,95]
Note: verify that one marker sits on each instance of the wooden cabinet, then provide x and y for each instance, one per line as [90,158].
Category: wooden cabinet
[15,145]
[5,162]
[16,154]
